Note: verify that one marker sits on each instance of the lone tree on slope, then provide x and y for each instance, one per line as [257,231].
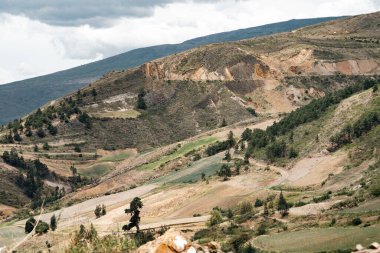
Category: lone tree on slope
[133,209]
[283,206]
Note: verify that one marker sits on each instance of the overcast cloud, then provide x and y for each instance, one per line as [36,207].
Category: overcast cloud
[40,37]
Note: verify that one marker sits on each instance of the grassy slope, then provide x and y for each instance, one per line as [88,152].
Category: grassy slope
[317,240]
[188,147]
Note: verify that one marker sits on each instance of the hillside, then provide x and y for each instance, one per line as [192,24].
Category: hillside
[20,98]
[179,96]
[239,147]
[329,193]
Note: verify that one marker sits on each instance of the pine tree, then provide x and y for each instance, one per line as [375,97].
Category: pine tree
[98,211]
[134,209]
[283,206]
[46,146]
[224,123]
[104,211]
[53,222]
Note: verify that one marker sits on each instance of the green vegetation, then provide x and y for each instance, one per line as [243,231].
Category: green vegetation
[363,125]
[100,210]
[319,240]
[116,157]
[134,210]
[216,218]
[272,140]
[97,170]
[42,228]
[185,149]
[141,101]
[53,222]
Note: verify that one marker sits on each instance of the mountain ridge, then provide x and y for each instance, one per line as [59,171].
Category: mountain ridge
[52,86]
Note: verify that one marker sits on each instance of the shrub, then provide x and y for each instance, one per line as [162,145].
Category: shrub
[258,203]
[261,230]
[356,221]
[245,207]
[42,228]
[375,189]
[216,218]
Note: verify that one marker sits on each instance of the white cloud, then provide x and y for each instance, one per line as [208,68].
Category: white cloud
[30,47]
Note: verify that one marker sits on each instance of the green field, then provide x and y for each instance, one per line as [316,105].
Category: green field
[319,240]
[208,165]
[116,157]
[179,152]
[97,170]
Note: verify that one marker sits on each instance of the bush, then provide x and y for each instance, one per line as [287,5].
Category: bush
[248,249]
[216,218]
[258,203]
[375,189]
[356,221]
[42,228]
[261,230]
[246,207]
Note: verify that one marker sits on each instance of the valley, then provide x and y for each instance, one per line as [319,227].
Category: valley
[212,140]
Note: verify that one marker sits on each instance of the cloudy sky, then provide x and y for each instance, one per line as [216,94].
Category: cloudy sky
[43,36]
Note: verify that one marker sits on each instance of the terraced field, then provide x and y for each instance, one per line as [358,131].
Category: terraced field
[319,240]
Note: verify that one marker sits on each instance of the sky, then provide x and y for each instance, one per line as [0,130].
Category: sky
[38,37]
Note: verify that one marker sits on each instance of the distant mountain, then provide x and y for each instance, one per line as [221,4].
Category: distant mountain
[22,97]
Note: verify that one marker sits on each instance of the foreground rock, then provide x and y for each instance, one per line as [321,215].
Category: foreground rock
[174,241]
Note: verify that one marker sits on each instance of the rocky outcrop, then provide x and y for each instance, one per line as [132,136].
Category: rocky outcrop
[174,241]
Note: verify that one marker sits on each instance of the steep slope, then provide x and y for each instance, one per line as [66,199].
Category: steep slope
[20,98]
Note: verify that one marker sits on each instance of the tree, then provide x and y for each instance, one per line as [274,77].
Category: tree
[41,133]
[283,206]
[134,210]
[203,176]
[46,146]
[104,211]
[227,156]
[225,171]
[42,228]
[375,88]
[292,153]
[52,129]
[17,137]
[141,101]
[252,111]
[77,148]
[35,148]
[230,139]
[224,123]
[85,119]
[53,222]
[73,170]
[98,211]
[29,225]
[93,92]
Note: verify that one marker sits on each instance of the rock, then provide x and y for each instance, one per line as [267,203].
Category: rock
[375,245]
[359,247]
